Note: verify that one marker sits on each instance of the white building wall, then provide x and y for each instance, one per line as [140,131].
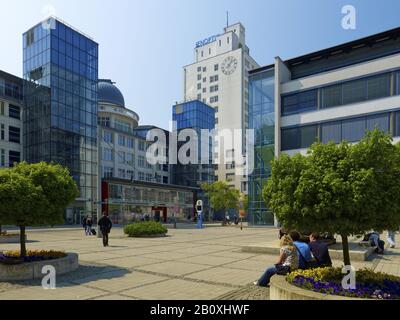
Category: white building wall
[232,104]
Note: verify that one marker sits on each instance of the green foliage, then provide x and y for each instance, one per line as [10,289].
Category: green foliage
[342,189]
[35,194]
[221,196]
[146,228]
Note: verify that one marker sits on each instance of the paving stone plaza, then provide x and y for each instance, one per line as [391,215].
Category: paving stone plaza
[189,264]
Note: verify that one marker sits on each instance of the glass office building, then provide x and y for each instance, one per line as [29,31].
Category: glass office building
[198,116]
[262,121]
[60,66]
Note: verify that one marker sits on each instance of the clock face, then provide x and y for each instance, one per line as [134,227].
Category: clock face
[229,65]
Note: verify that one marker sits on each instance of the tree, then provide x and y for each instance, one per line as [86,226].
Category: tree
[221,196]
[343,189]
[34,195]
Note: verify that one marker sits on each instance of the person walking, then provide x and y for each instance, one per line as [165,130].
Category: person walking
[89,224]
[391,238]
[105,225]
[84,224]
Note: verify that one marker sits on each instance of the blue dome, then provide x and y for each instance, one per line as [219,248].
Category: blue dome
[109,93]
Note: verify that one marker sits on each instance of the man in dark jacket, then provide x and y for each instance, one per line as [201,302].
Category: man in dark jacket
[320,251]
[105,225]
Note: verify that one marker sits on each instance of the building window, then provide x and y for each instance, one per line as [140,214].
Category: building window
[107,137]
[214,88]
[299,102]
[230,177]
[149,177]
[199,77]
[130,143]
[121,173]
[108,172]
[141,176]
[142,145]
[204,90]
[2,132]
[397,131]
[199,86]
[230,166]
[204,69]
[141,162]
[121,157]
[14,134]
[216,120]
[199,96]
[130,174]
[378,86]
[214,78]
[130,159]
[121,140]
[13,157]
[198,69]
[331,131]
[213,99]
[108,154]
[2,108]
[216,67]
[104,121]
[165,180]
[14,112]
[204,79]
[2,158]
[299,138]
[216,109]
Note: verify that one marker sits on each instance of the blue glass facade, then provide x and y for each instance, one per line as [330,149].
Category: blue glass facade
[195,115]
[262,121]
[61,71]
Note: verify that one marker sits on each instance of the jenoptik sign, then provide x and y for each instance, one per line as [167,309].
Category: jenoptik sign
[206,41]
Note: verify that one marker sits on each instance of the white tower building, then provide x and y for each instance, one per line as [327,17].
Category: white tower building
[219,77]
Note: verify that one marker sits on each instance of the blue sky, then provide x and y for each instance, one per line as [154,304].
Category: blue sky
[145,44]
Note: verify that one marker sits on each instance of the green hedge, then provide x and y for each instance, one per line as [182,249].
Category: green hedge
[147,228]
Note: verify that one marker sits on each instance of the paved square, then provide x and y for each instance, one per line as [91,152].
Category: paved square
[188,264]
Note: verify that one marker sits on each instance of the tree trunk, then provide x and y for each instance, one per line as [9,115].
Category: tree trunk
[346,252]
[22,241]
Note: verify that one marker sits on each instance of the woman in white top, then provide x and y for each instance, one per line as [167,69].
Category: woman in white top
[287,262]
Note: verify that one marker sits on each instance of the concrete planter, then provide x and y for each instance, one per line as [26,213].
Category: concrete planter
[280,289]
[14,238]
[33,270]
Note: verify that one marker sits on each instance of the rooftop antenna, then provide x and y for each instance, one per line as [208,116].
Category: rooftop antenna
[227,19]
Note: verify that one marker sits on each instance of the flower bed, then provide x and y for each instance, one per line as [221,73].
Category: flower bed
[33,255]
[369,284]
[145,229]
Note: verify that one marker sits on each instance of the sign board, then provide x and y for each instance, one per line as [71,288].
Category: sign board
[242,213]
[206,41]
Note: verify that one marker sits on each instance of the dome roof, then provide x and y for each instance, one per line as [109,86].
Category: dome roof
[109,93]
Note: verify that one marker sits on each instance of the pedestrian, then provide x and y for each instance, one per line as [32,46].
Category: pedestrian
[288,261]
[320,251]
[84,224]
[89,224]
[391,238]
[105,225]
